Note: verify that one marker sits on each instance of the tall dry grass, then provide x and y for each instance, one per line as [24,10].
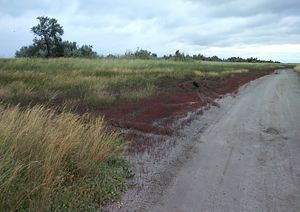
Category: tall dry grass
[41,151]
[297,68]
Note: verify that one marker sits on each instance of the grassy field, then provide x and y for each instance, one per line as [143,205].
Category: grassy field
[99,81]
[52,160]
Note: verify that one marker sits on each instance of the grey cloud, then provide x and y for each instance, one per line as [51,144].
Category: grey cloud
[161,26]
[17,8]
[255,7]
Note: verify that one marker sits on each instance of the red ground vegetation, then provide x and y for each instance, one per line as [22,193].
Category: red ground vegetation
[156,115]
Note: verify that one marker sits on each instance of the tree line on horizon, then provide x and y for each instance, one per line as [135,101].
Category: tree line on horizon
[178,56]
[48,43]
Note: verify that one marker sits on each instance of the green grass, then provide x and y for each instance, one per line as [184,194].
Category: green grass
[57,162]
[99,81]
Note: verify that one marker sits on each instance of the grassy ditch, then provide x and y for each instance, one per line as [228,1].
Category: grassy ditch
[57,162]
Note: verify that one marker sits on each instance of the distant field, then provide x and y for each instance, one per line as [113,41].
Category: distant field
[100,81]
[297,68]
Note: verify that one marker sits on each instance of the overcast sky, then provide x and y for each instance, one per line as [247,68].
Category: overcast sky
[268,29]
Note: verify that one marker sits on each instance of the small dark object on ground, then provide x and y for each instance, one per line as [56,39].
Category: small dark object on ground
[196,84]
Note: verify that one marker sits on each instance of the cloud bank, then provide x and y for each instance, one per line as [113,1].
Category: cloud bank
[261,28]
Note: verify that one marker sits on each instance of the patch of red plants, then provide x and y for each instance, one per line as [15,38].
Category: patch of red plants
[156,115]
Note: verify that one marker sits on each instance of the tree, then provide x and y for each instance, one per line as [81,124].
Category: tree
[86,51]
[26,51]
[48,42]
[179,56]
[48,32]
[70,49]
[140,54]
[144,54]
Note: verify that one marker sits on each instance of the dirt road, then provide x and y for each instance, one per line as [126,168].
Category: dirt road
[249,158]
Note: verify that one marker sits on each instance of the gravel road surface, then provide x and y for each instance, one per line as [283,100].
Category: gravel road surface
[249,158]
